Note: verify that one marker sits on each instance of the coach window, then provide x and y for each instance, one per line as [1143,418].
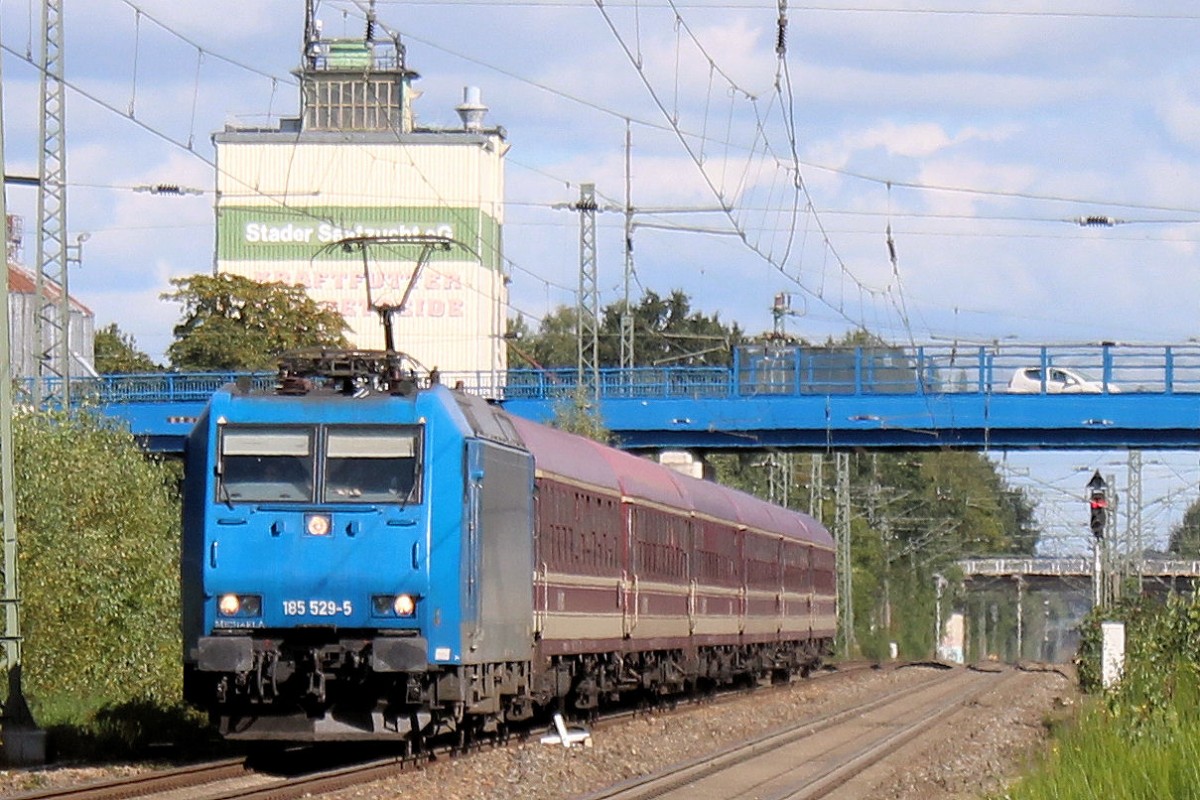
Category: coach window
[372,465]
[265,465]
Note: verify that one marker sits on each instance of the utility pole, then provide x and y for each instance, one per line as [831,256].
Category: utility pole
[626,308]
[779,477]
[53,318]
[939,585]
[1020,616]
[880,521]
[781,308]
[1133,516]
[1046,652]
[1098,521]
[587,311]
[816,486]
[18,730]
[844,567]
[1112,545]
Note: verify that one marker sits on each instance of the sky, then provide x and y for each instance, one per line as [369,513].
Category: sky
[915,168]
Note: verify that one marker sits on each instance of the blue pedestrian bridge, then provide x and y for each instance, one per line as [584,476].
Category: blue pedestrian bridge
[791,396]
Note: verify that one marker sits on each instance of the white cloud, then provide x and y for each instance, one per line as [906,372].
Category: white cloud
[944,91]
[918,140]
[1179,112]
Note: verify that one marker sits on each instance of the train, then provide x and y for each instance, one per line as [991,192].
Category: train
[369,555]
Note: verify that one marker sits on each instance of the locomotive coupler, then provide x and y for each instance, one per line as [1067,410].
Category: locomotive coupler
[316,679]
[264,675]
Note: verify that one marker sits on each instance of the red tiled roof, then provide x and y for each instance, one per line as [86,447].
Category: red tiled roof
[22,281]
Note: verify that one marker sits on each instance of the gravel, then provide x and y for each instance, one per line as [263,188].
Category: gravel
[975,753]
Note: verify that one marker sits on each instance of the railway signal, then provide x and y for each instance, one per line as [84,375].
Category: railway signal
[1098,504]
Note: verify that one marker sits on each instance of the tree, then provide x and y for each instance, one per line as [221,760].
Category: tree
[117,353]
[667,332]
[1185,537]
[235,323]
[552,345]
[575,415]
[99,562]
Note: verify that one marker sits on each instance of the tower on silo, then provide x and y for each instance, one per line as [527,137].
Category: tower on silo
[356,164]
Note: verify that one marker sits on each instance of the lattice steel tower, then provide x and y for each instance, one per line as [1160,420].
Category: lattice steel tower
[627,309]
[51,327]
[587,312]
[1134,545]
[845,567]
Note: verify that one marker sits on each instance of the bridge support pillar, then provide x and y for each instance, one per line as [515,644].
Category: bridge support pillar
[1020,616]
[687,463]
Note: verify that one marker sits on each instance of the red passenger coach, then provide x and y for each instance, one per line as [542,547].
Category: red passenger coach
[646,577]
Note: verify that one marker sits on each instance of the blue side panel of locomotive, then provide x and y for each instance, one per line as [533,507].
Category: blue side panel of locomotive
[497,580]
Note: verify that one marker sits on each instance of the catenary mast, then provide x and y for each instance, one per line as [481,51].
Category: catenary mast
[53,318]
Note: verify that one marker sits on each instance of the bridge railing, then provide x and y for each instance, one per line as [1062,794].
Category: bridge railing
[993,567]
[783,370]
[946,369]
[1070,565]
[639,382]
[153,387]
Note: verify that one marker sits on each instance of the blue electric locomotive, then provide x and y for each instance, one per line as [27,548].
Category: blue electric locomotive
[366,557]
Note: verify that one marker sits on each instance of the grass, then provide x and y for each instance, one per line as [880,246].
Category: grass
[1100,759]
[132,730]
[1141,740]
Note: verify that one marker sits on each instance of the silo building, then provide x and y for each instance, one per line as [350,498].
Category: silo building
[352,197]
[29,357]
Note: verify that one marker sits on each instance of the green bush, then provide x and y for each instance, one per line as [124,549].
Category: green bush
[1162,648]
[98,528]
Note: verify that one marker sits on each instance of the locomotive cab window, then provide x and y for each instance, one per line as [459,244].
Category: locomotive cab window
[265,465]
[371,465]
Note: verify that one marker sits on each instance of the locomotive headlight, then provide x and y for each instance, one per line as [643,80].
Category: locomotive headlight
[239,605]
[229,604]
[317,524]
[405,605]
[394,605]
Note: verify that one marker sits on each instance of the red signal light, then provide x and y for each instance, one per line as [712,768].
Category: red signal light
[1099,514]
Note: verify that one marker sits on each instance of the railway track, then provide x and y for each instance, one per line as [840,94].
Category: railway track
[239,779]
[147,783]
[815,758]
[231,779]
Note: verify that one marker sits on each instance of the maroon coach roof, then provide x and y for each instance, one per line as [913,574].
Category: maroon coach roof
[579,459]
[567,455]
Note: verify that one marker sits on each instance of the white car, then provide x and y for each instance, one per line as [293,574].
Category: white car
[1059,380]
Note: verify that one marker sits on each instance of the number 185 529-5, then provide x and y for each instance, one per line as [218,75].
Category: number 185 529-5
[317,608]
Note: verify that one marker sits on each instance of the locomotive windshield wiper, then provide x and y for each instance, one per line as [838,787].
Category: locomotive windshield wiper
[408,496]
[222,489]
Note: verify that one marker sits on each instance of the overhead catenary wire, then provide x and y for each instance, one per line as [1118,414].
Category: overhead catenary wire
[698,161]
[862,8]
[188,145]
[704,136]
[140,13]
[833,231]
